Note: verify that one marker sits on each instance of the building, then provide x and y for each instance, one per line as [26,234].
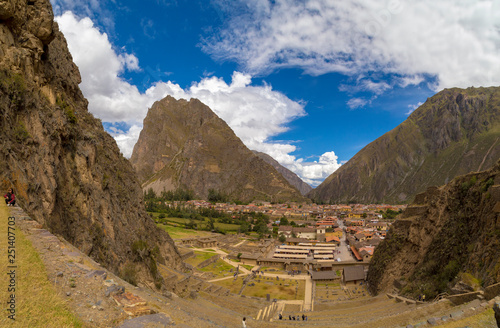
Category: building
[353,275]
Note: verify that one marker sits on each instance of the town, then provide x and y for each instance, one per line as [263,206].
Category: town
[295,246]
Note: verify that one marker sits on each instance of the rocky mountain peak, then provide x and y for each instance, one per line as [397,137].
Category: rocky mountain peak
[184,144]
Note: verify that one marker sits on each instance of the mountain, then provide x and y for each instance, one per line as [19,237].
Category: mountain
[67,172]
[185,145]
[454,132]
[447,238]
[291,177]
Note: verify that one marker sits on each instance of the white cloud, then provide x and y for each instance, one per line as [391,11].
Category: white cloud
[354,103]
[457,42]
[255,113]
[411,108]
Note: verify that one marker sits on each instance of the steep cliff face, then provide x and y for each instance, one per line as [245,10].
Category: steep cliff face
[67,172]
[455,132]
[185,145]
[291,177]
[447,231]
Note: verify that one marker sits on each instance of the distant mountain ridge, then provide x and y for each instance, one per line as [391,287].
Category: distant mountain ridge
[454,132]
[184,144]
[291,177]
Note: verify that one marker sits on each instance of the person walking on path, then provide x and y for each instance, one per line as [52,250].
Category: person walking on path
[10,198]
[244,323]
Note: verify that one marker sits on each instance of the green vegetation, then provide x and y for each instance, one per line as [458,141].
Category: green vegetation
[219,269]
[68,110]
[179,232]
[144,253]
[168,196]
[216,196]
[389,214]
[38,305]
[20,132]
[209,219]
[199,258]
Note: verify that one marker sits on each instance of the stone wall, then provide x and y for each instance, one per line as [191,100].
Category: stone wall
[463,298]
[492,291]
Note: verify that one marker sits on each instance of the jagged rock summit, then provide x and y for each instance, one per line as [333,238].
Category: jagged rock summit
[291,177]
[185,145]
[455,132]
[446,239]
[67,172]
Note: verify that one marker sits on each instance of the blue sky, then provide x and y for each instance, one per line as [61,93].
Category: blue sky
[308,82]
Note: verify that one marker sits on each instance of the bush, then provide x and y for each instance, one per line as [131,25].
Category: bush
[129,274]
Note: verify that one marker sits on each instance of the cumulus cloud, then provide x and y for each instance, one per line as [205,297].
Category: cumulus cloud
[255,113]
[456,42]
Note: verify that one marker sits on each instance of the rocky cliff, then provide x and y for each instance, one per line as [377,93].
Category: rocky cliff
[68,173]
[291,177]
[455,132]
[185,145]
[447,235]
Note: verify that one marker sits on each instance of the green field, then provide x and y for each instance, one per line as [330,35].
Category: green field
[283,289]
[179,232]
[226,227]
[199,257]
[219,269]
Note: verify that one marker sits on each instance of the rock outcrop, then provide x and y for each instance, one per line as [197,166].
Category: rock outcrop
[455,132]
[67,172]
[291,177]
[185,145]
[447,232]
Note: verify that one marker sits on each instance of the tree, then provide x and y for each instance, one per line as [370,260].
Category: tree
[284,221]
[282,238]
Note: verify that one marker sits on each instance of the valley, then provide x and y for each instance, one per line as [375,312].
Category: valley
[196,229]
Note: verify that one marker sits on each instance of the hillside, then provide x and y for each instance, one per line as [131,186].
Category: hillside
[185,145]
[448,235]
[291,177]
[454,132]
[67,172]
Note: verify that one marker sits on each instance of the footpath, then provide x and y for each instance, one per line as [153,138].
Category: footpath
[96,296]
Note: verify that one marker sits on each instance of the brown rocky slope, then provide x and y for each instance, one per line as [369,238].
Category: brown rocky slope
[68,173]
[447,232]
[291,177]
[185,145]
[455,132]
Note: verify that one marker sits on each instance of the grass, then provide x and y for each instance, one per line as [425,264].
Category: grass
[248,267]
[264,287]
[199,257]
[228,227]
[179,233]
[483,319]
[281,292]
[219,269]
[37,303]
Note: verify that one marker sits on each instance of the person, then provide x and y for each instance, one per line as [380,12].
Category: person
[289,317]
[303,317]
[10,198]
[281,317]
[243,323]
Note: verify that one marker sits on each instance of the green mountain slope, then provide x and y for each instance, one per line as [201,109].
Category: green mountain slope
[454,132]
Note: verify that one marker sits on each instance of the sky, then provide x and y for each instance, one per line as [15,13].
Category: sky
[308,82]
